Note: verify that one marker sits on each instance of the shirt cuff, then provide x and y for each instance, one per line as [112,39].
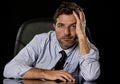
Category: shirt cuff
[23,69]
[90,57]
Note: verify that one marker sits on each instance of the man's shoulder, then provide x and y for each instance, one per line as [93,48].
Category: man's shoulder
[46,35]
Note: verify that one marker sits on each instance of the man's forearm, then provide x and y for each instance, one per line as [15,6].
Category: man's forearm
[83,45]
[34,73]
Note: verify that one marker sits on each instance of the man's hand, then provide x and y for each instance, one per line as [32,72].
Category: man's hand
[80,24]
[59,75]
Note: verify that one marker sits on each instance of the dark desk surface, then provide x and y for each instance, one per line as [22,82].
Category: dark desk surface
[13,81]
[42,81]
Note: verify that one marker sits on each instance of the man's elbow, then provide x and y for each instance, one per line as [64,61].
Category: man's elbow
[92,77]
[6,74]
[9,72]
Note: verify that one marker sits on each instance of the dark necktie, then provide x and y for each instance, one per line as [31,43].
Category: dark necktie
[60,63]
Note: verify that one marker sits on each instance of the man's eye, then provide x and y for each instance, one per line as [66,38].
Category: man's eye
[61,26]
[73,26]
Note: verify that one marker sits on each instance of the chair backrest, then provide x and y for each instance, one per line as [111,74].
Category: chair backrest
[35,26]
[28,29]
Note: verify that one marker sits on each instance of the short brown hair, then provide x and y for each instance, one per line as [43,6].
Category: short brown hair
[66,8]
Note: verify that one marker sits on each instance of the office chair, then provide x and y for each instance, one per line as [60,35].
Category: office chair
[29,28]
[34,26]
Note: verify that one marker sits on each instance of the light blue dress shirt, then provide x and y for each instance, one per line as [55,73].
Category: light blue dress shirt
[43,52]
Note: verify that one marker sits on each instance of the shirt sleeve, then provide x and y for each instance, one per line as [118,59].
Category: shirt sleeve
[89,64]
[23,61]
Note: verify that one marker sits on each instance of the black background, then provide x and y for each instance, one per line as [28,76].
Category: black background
[99,20]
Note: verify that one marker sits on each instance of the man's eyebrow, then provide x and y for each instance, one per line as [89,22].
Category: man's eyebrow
[60,23]
[64,24]
[73,23]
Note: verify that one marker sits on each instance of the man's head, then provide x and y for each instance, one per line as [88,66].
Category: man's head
[65,24]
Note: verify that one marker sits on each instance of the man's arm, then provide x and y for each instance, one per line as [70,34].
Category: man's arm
[89,64]
[35,73]
[80,31]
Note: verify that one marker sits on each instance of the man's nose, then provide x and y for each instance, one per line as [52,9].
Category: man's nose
[67,31]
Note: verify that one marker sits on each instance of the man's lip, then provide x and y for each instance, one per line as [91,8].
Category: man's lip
[66,38]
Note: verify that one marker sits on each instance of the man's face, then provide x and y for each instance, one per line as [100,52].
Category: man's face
[65,29]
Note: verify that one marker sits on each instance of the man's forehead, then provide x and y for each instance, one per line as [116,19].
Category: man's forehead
[66,19]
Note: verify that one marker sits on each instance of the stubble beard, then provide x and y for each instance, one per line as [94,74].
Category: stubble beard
[65,45]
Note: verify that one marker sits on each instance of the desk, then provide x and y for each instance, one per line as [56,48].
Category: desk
[79,80]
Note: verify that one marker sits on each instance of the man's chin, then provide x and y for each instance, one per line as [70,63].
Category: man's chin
[67,45]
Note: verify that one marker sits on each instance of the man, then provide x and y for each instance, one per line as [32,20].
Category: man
[39,58]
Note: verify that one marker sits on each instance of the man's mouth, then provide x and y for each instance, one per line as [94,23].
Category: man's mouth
[66,39]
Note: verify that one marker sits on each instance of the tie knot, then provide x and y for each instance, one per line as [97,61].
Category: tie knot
[64,55]
[63,52]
